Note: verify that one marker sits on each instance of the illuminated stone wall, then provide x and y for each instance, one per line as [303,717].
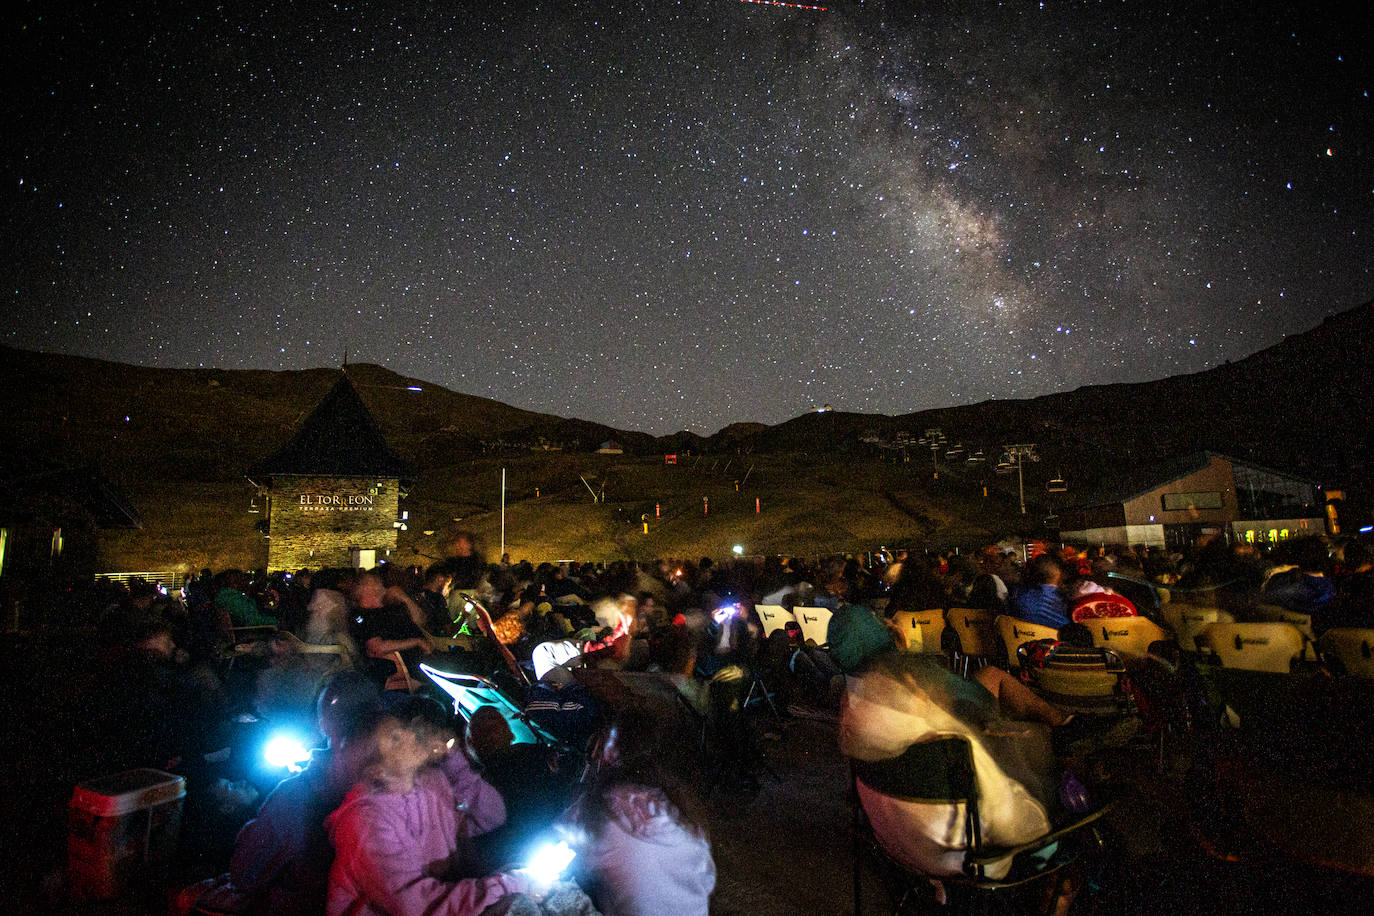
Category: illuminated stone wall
[319,521]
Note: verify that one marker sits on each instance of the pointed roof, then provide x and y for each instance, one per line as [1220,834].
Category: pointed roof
[340,438]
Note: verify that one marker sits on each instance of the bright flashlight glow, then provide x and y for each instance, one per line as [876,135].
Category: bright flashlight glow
[549,860]
[738,549]
[286,751]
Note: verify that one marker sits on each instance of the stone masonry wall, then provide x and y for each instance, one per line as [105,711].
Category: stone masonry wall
[318,521]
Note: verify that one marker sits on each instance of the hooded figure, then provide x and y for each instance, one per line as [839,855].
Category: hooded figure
[900,701]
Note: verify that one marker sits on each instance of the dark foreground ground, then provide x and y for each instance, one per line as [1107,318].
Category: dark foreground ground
[784,849]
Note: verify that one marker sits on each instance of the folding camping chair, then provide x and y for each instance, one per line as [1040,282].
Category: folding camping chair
[814,623]
[399,679]
[440,643]
[941,773]
[310,648]
[773,617]
[469,691]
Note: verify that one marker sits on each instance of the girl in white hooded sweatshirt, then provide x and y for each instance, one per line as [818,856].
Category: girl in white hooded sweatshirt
[642,847]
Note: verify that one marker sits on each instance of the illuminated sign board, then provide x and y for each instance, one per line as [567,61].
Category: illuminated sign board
[337,502]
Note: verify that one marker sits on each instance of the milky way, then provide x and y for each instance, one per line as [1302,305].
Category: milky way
[680,215]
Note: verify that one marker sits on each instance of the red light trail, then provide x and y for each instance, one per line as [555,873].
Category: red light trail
[795,6]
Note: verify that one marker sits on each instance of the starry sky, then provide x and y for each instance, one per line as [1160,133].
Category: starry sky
[678,215]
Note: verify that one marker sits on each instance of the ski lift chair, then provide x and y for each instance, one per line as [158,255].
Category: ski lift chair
[975,637]
[940,773]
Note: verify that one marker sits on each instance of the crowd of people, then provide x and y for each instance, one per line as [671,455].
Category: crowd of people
[407,808]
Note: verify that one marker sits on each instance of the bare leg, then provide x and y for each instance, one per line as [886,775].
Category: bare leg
[1016,699]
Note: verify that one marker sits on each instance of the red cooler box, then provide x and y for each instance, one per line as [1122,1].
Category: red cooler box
[121,829]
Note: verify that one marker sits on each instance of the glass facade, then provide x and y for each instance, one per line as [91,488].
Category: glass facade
[1263,494]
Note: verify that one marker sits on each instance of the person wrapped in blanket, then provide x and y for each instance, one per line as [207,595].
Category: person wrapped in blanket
[895,701]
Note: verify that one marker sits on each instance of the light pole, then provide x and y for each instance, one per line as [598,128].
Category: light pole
[1017,455]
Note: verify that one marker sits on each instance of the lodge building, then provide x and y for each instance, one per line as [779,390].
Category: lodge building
[334,491]
[1203,494]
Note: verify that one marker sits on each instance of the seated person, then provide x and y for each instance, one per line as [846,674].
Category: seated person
[640,835]
[433,599]
[382,627]
[895,703]
[1039,600]
[400,837]
[532,787]
[1304,587]
[282,857]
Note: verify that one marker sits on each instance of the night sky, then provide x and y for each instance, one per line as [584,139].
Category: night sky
[666,215]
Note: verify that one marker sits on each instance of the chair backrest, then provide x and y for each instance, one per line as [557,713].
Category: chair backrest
[440,643]
[1274,613]
[255,633]
[310,648]
[1188,621]
[923,631]
[940,770]
[814,623]
[1353,647]
[469,692]
[1272,647]
[400,679]
[1081,680]
[1014,633]
[1127,635]
[773,617]
[973,626]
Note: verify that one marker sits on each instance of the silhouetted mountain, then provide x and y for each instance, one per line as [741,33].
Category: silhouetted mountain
[184,438]
[1304,405]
